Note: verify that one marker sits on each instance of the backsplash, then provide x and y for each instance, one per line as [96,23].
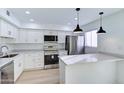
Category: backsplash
[11,47]
[30,46]
[27,46]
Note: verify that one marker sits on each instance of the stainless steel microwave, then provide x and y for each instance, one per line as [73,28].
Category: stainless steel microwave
[50,38]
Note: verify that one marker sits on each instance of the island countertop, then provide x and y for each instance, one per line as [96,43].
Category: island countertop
[88,58]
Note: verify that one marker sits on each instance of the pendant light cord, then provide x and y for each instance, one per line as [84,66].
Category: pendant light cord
[101,13]
[100,20]
[77,17]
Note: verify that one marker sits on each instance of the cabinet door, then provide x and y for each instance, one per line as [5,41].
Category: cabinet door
[31,37]
[29,61]
[61,37]
[62,53]
[39,37]
[3,28]
[10,30]
[17,40]
[7,30]
[39,60]
[18,66]
[14,33]
[23,36]
[35,37]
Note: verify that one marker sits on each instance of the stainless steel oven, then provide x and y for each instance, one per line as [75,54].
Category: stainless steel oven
[7,73]
[51,59]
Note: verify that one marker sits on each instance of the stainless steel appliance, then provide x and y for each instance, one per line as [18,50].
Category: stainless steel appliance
[51,59]
[51,52]
[48,38]
[75,45]
[50,46]
[7,73]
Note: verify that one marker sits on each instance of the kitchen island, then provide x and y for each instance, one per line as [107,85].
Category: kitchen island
[88,69]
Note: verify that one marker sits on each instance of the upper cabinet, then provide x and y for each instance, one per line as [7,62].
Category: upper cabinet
[7,30]
[35,36]
[29,36]
[21,36]
[12,31]
[46,32]
[14,35]
[61,37]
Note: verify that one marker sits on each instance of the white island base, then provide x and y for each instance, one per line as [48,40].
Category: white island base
[88,69]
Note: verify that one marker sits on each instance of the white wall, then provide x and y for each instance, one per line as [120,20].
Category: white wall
[113,40]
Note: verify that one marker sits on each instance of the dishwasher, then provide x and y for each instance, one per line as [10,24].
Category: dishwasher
[7,73]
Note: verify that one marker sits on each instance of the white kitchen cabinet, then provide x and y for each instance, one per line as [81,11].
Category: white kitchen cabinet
[7,30]
[30,36]
[22,36]
[61,37]
[29,61]
[62,52]
[10,30]
[18,66]
[35,37]
[69,32]
[3,29]
[50,33]
[17,40]
[14,33]
[39,37]
[39,60]
[34,60]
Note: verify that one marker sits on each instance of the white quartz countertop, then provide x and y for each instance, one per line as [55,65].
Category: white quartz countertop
[88,58]
[28,51]
[4,61]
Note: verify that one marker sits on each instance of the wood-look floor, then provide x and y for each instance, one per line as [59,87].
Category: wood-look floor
[49,76]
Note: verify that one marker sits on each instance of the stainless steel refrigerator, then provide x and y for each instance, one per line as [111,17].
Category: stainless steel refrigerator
[75,45]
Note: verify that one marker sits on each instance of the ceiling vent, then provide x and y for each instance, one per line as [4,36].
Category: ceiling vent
[7,13]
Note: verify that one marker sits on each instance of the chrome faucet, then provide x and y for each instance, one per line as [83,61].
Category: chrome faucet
[4,46]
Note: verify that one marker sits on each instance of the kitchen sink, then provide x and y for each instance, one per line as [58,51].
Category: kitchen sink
[9,56]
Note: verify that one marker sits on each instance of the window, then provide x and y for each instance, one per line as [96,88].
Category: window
[91,38]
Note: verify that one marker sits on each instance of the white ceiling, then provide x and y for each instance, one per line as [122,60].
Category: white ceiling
[59,16]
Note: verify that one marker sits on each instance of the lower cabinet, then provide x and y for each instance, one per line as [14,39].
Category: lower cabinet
[27,61]
[18,66]
[34,61]
[62,52]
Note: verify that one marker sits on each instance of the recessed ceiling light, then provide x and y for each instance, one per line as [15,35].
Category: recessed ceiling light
[75,18]
[32,20]
[27,12]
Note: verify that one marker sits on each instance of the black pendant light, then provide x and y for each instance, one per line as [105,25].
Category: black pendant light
[101,29]
[78,29]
